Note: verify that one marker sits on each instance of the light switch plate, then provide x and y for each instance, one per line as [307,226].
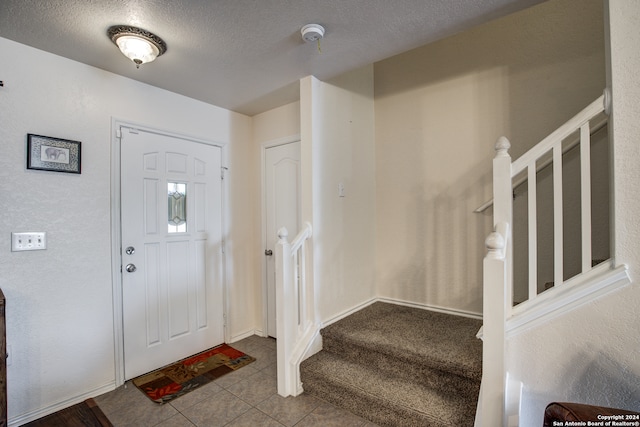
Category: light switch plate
[29,241]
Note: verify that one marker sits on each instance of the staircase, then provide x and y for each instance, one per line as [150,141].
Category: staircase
[399,366]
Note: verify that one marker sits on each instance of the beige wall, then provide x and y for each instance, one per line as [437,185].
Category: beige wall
[338,147]
[439,111]
[335,121]
[275,124]
[278,125]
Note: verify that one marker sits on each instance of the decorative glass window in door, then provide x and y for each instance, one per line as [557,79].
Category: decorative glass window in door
[177,206]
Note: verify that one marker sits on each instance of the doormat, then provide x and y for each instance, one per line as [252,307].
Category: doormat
[180,378]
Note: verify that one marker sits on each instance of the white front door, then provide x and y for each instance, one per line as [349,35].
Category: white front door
[282,201]
[172,282]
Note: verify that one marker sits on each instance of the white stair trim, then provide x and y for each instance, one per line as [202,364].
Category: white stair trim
[571,294]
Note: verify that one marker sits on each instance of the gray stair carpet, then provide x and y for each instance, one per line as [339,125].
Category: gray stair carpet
[399,366]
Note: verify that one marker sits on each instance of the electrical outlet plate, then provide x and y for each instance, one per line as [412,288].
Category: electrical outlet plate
[29,241]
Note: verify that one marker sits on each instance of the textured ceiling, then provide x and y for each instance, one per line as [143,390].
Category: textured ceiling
[243,55]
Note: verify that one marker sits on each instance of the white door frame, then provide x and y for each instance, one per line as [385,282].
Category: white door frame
[263,152]
[116,234]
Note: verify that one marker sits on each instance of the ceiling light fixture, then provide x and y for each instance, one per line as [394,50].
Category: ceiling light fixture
[137,44]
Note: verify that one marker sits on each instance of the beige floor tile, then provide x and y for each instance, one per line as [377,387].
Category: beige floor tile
[128,406]
[217,410]
[271,370]
[255,388]
[246,397]
[289,410]
[264,358]
[231,378]
[195,396]
[327,415]
[269,342]
[254,418]
[178,420]
[249,345]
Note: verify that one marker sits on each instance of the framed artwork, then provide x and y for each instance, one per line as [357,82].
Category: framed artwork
[53,154]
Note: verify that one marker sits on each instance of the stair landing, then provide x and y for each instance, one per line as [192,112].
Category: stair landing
[399,366]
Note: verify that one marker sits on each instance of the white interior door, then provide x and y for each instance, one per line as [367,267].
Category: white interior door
[171,215]
[282,201]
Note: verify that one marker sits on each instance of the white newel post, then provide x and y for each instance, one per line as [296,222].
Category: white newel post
[284,312]
[497,290]
[503,206]
[493,349]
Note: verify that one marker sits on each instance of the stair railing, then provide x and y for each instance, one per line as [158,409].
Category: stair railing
[528,163]
[295,308]
[498,290]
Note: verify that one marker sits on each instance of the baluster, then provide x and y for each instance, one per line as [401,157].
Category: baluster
[302,293]
[585,195]
[533,230]
[558,235]
[296,287]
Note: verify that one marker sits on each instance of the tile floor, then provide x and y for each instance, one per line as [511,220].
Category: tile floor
[246,397]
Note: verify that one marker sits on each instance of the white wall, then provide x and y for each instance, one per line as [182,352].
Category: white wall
[439,111]
[590,354]
[337,128]
[59,301]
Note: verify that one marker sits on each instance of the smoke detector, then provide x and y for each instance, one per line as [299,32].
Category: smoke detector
[312,32]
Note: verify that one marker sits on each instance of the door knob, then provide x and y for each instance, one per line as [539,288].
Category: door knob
[131,268]
[268,252]
[130,250]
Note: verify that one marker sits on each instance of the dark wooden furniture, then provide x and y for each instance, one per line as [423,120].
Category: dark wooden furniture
[3,363]
[84,414]
[558,413]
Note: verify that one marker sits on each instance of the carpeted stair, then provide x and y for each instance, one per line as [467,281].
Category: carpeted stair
[399,366]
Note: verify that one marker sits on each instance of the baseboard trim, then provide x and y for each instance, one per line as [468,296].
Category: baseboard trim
[246,334]
[421,306]
[347,313]
[439,309]
[43,412]
[314,346]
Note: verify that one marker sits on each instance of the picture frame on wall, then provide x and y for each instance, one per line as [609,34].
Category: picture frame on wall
[53,154]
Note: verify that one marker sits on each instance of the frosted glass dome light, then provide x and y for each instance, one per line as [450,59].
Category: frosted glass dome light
[138,45]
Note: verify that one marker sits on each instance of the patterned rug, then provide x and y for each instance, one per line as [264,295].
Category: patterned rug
[188,374]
